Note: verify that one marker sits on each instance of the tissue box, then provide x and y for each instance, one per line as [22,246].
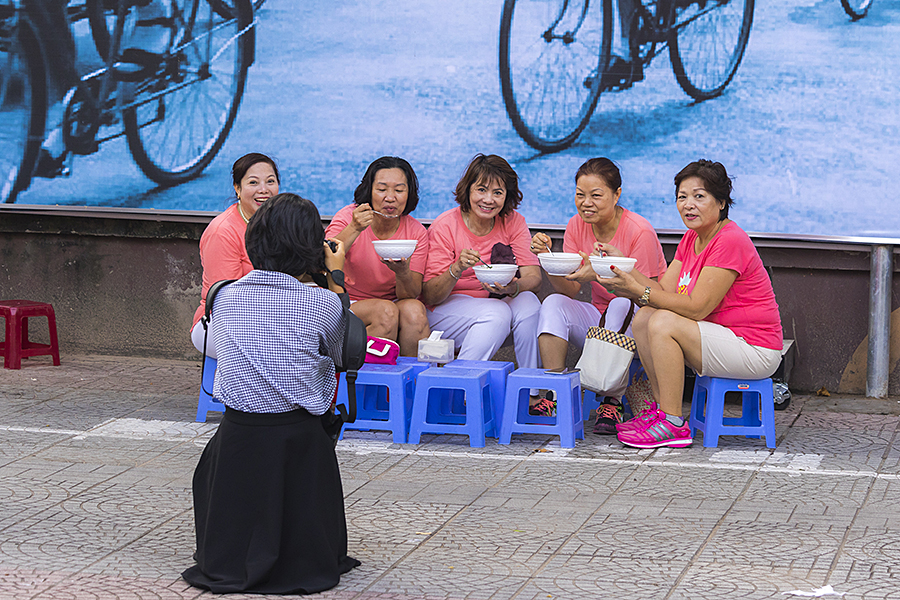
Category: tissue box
[439,351]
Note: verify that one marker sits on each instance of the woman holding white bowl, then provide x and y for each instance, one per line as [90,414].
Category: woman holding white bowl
[714,310]
[385,291]
[600,224]
[478,316]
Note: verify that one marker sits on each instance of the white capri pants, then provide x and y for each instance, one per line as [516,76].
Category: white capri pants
[569,319]
[480,325]
[729,356]
[197,334]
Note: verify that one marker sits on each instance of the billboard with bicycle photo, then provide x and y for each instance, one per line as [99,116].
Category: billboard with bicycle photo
[144,104]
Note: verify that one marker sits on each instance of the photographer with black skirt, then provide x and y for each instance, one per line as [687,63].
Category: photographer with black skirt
[268,501]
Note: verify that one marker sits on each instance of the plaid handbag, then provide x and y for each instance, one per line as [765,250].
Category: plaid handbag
[605,359]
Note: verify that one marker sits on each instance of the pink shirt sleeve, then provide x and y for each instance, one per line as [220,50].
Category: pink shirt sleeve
[223,253]
[340,221]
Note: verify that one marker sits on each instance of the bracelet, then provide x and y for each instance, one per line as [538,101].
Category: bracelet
[517,291]
[450,270]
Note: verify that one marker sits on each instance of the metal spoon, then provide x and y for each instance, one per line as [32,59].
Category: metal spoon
[485,264]
[386,216]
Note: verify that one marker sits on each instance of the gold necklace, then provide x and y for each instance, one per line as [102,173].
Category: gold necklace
[241,210]
[465,217]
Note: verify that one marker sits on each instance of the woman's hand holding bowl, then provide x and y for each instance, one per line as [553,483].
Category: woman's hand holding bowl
[398,266]
[585,273]
[622,284]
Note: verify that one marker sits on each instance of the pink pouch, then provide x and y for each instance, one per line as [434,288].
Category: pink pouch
[382,351]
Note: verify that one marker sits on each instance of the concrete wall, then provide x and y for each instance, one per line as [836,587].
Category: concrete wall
[128,284]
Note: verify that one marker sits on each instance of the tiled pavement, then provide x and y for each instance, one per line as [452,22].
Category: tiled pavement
[96,458]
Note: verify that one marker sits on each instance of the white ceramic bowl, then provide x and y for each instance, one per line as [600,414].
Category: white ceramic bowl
[495,274]
[394,249]
[560,263]
[601,264]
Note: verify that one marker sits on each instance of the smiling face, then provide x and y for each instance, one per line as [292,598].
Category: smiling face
[699,209]
[390,191]
[486,199]
[257,185]
[595,201]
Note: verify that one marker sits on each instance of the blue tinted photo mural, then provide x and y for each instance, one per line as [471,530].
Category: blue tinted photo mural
[145,105]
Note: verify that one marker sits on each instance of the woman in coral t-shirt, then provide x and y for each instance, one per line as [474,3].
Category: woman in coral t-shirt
[461,306]
[600,222]
[385,292]
[714,310]
[223,253]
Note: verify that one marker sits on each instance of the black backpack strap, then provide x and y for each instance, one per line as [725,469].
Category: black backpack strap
[348,413]
[204,320]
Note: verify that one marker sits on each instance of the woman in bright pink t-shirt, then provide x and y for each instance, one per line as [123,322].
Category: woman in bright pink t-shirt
[600,222]
[477,316]
[714,310]
[385,292]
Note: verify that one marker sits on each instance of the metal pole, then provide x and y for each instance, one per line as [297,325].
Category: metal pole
[879,322]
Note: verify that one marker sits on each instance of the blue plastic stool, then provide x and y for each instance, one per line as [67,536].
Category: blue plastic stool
[384,395]
[592,402]
[757,399]
[433,414]
[205,402]
[499,371]
[567,423]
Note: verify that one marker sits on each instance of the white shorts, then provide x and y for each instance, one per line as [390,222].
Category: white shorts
[729,356]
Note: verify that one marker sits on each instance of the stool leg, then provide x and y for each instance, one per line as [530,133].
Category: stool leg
[767,409]
[13,358]
[565,418]
[715,414]
[54,341]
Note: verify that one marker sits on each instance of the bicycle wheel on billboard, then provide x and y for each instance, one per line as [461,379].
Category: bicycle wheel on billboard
[23,101]
[707,44]
[179,121]
[856,9]
[552,56]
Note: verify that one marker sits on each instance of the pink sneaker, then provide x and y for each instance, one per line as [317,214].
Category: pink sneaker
[639,421]
[657,433]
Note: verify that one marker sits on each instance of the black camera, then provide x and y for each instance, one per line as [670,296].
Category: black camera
[333,245]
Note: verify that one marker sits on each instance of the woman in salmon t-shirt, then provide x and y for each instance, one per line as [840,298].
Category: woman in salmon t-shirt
[223,253]
[385,292]
[714,310]
[600,222]
[480,317]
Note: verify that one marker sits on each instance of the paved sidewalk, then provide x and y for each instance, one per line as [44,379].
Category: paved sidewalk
[96,458]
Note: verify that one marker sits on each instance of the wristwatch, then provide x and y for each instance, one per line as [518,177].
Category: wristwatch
[645,299]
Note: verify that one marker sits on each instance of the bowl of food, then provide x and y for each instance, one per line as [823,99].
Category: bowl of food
[602,264]
[495,274]
[560,263]
[394,249]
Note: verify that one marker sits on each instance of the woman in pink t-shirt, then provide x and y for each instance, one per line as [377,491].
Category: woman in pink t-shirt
[714,310]
[477,316]
[600,221]
[385,292]
[222,250]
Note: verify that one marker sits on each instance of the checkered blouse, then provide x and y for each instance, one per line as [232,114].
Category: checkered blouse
[275,338]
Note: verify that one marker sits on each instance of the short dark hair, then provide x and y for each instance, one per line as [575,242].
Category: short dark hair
[363,193]
[485,169]
[715,181]
[603,168]
[243,164]
[286,235]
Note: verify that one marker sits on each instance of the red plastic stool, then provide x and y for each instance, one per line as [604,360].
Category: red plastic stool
[17,345]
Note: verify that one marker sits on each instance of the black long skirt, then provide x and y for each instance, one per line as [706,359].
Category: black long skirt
[269,507]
